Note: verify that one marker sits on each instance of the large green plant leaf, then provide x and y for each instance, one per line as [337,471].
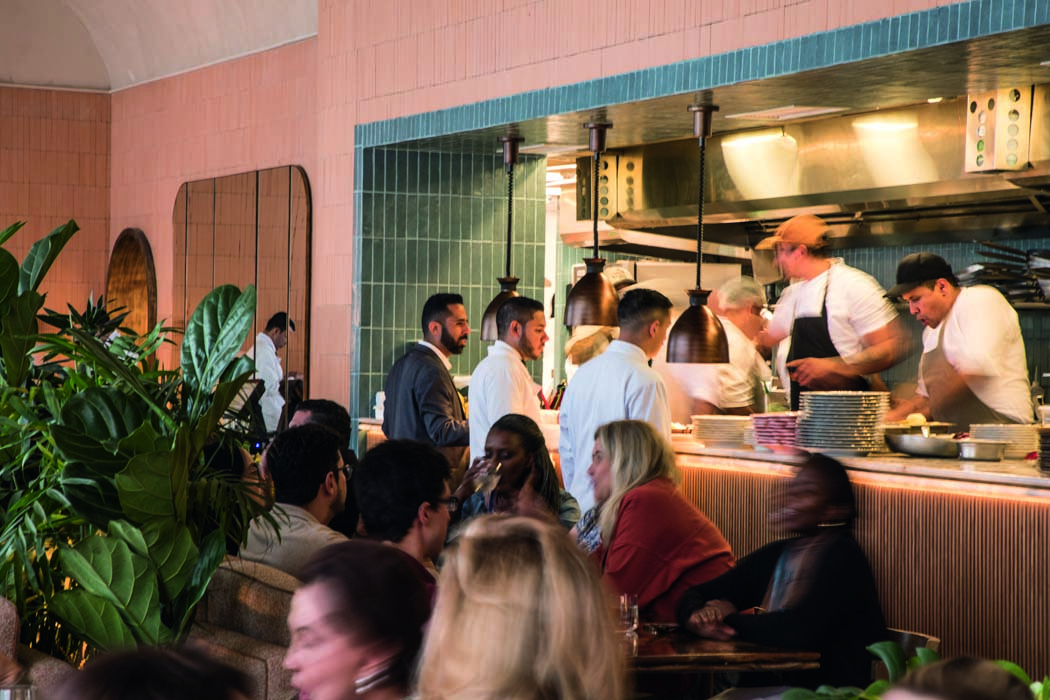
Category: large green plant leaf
[93,619]
[891,654]
[145,487]
[19,329]
[96,422]
[212,552]
[8,280]
[171,549]
[43,255]
[106,568]
[93,496]
[214,336]
[11,230]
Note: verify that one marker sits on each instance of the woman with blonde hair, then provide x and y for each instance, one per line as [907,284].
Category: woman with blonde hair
[520,615]
[654,543]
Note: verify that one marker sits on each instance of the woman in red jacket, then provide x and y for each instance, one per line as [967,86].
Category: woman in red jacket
[654,543]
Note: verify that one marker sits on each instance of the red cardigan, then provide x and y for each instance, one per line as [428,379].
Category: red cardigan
[660,547]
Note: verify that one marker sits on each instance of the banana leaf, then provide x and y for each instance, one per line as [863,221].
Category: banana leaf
[42,256]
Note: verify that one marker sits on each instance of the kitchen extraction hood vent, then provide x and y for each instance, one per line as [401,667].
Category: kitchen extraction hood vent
[890,177]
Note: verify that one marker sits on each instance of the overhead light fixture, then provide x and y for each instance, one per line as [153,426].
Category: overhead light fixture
[787,113]
[750,138]
[593,300]
[508,284]
[698,335]
[934,100]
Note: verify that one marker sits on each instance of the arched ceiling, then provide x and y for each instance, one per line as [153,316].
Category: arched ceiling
[113,44]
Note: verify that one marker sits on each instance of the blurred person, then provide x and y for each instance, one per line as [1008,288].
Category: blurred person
[422,402]
[520,615]
[840,325]
[10,670]
[155,673]
[310,483]
[268,366]
[586,343]
[736,388]
[528,483]
[973,367]
[962,678]
[653,543]
[816,588]
[617,384]
[403,489]
[336,418]
[356,623]
[501,384]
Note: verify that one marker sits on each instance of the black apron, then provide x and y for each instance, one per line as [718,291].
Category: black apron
[810,337]
[964,410]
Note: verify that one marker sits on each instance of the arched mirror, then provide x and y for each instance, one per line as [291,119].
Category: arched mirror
[131,280]
[249,228]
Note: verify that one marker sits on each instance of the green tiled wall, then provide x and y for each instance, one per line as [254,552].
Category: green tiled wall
[436,222]
[881,263]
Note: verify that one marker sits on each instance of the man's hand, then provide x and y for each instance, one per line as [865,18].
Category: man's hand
[709,621]
[821,372]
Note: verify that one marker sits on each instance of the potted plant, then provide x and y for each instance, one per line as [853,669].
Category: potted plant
[113,525]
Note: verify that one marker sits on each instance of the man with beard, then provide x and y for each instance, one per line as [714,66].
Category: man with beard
[501,384]
[422,403]
[310,482]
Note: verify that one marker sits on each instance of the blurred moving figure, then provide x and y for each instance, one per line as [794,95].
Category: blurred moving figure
[521,615]
[654,543]
[963,678]
[356,624]
[528,484]
[155,673]
[816,589]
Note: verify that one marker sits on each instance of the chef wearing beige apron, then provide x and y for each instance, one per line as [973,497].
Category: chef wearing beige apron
[973,368]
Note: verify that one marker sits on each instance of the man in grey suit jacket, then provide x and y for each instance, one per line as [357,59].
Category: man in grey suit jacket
[421,401]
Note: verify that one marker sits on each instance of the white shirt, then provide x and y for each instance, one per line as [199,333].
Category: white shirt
[616,385]
[982,338]
[727,385]
[500,385]
[441,356]
[856,306]
[268,369]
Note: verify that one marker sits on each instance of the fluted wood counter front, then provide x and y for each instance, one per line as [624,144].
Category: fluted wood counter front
[959,549]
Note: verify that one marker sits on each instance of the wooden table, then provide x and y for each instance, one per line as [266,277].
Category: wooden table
[672,651]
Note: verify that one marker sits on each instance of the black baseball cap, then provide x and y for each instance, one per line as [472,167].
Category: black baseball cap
[917,268]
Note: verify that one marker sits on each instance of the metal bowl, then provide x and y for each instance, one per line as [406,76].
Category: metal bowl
[922,446]
[983,450]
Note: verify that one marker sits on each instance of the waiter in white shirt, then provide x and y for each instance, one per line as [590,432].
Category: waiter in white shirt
[268,366]
[501,383]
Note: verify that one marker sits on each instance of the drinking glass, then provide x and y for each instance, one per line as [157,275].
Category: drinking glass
[17,692]
[628,609]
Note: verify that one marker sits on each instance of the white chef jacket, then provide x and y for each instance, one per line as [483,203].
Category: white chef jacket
[500,385]
[726,385]
[268,369]
[982,338]
[856,306]
[617,385]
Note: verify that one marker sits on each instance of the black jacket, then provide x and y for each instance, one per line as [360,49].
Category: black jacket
[422,402]
[838,615]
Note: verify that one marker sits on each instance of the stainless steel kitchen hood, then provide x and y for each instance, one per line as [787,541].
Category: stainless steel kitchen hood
[877,178]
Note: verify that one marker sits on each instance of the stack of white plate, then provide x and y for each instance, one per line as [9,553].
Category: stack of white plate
[720,431]
[775,428]
[845,423]
[1023,439]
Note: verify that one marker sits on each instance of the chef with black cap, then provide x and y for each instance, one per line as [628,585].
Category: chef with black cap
[973,367]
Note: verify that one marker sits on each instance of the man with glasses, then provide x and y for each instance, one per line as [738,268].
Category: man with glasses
[310,482]
[402,488]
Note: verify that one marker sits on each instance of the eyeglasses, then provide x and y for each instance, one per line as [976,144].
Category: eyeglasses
[451,504]
[347,470]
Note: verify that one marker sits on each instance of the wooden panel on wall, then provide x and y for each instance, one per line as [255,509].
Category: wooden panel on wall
[966,564]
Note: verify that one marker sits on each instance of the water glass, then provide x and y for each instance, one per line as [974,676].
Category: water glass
[17,692]
[628,609]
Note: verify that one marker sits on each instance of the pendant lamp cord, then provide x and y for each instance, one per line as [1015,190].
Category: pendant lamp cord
[594,202]
[510,210]
[700,216]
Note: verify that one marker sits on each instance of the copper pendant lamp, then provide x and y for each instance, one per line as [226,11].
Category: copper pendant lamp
[698,335]
[593,300]
[508,284]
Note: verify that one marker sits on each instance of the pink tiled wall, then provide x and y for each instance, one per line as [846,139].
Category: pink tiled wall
[378,59]
[54,166]
[246,114]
